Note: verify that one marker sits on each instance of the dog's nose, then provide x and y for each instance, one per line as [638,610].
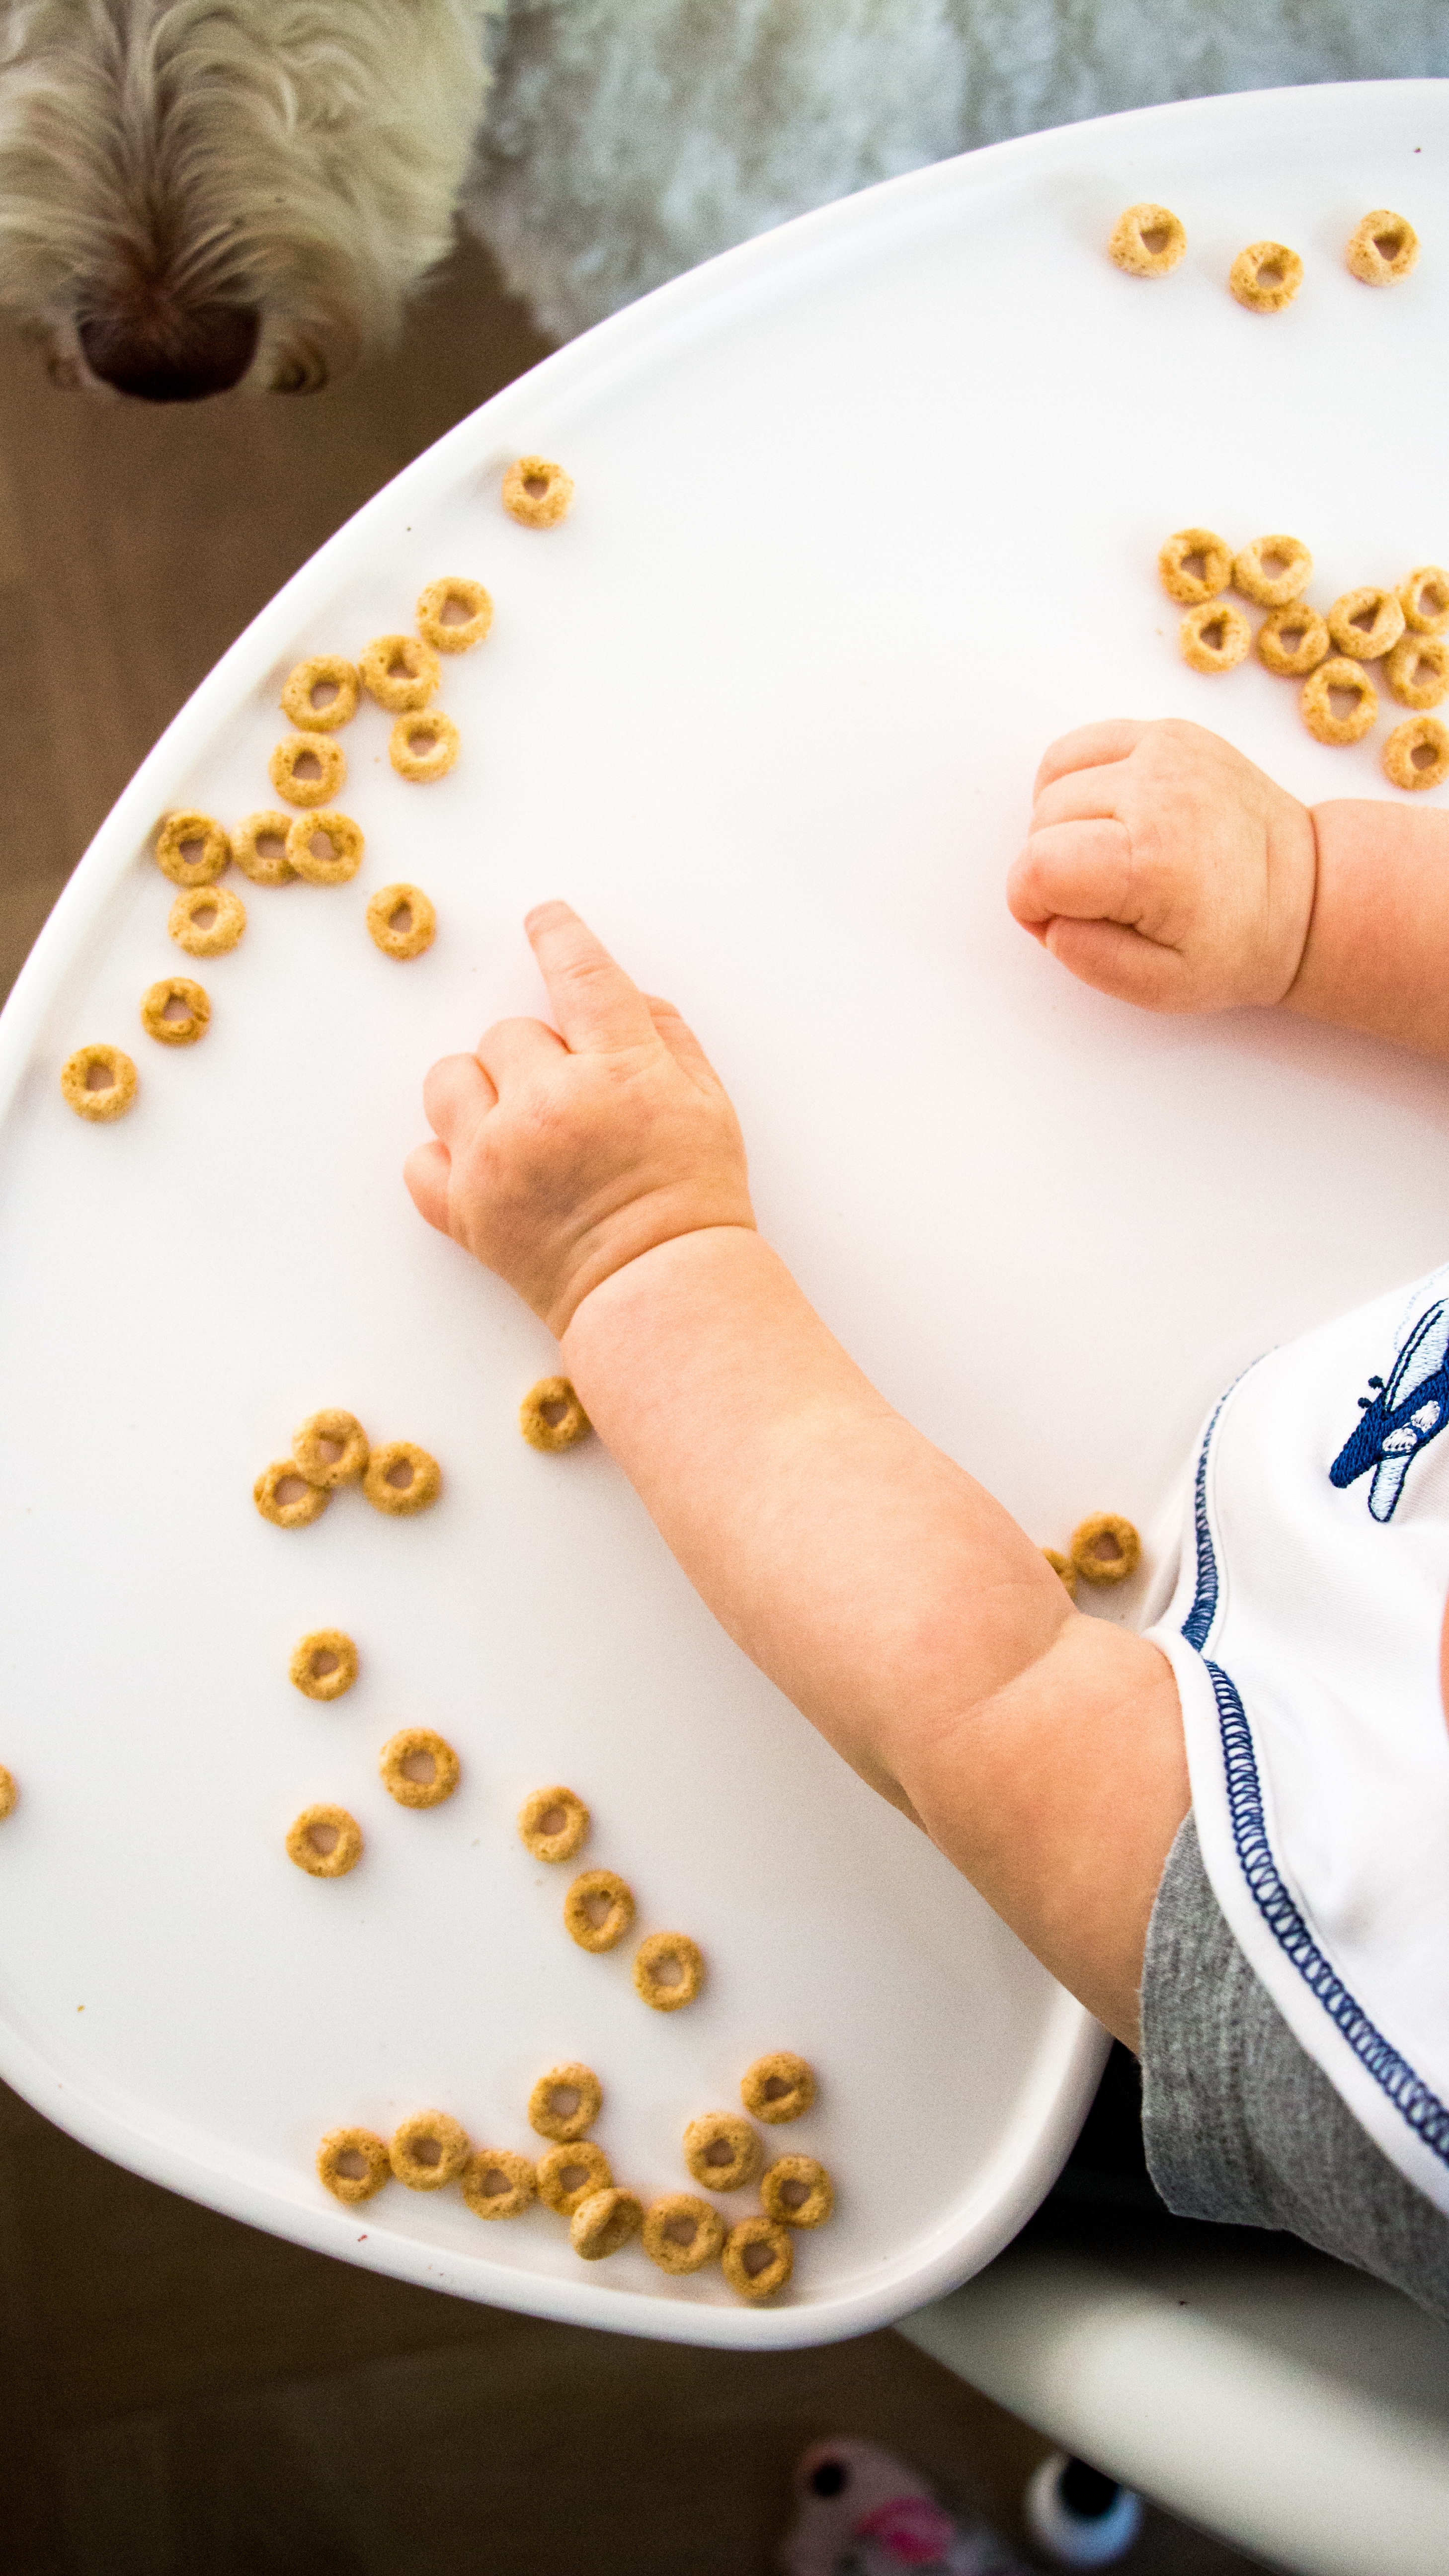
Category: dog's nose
[170,353]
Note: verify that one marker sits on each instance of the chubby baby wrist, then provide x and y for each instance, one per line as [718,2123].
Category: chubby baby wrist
[636,1274]
[1292,892]
[1300,961]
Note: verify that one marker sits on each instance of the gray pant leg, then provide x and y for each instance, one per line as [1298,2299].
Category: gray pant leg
[1238,2122]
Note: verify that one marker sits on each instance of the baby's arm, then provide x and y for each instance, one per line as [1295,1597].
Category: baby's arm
[601,1172]
[1162,867]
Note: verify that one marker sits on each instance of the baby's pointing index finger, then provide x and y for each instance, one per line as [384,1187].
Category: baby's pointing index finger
[597,1006]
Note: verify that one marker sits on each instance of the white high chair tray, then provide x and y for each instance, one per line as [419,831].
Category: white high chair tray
[866,513]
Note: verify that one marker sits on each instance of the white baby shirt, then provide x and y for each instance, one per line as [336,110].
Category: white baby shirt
[1304,1634]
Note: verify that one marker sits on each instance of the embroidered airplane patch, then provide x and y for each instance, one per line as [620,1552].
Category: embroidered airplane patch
[1402,1417]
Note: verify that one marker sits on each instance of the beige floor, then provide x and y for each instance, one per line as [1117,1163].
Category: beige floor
[179,2396]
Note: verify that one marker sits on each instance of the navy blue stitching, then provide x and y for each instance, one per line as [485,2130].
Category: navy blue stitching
[1425,2113]
[1205,1599]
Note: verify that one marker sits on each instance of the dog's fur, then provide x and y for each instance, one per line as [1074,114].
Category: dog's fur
[193,193]
[196,194]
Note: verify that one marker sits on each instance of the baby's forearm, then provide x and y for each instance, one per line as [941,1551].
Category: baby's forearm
[599,1168]
[1377,953]
[891,1598]
[871,1578]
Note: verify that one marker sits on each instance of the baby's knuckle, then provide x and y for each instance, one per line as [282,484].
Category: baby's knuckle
[588,975]
[541,1118]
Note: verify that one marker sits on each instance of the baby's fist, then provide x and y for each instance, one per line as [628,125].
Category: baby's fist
[1162,867]
[560,1157]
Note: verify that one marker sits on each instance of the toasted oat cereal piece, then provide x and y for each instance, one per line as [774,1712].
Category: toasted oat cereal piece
[330,1447]
[682,2233]
[321,693]
[8,1793]
[98,1082]
[778,2087]
[1417,753]
[259,847]
[323,1664]
[604,2222]
[326,849]
[565,2103]
[1215,637]
[722,2150]
[353,2163]
[553,1824]
[325,1841]
[307,769]
[466,627]
[400,1477]
[428,2150]
[1146,241]
[1366,623]
[401,921]
[399,671]
[1194,566]
[668,1971]
[758,2258]
[1293,640]
[1382,248]
[207,920]
[567,2175]
[1357,707]
[551,1416]
[536,492]
[1417,670]
[418,1767]
[497,2183]
[1105,1548]
[1266,276]
[176,1012]
[797,2191]
[1273,570]
[598,1909]
[1424,599]
[423,746]
[1063,1566]
[287,1499]
[191,849]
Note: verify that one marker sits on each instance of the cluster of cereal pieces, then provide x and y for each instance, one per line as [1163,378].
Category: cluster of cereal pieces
[1402,627]
[599,1907]
[1149,241]
[402,673]
[681,2231]
[1102,1549]
[418,1766]
[331,1450]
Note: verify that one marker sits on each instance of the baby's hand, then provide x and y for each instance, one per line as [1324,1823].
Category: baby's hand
[1164,868]
[561,1158]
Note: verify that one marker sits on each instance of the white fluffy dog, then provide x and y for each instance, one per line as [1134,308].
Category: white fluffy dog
[197,194]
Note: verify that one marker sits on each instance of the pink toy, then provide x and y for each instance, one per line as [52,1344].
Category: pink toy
[859,2506]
